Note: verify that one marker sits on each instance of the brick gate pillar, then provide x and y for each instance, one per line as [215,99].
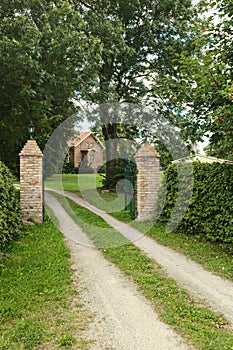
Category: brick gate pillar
[147,159]
[31,183]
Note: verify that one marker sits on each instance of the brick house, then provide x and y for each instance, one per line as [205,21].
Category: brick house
[86,150]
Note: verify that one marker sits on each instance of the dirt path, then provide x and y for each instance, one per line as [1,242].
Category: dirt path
[215,291]
[124,320]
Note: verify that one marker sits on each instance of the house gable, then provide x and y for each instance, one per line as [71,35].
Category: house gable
[87,149]
[87,140]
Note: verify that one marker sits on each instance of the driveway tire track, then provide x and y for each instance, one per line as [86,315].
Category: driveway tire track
[215,291]
[124,319]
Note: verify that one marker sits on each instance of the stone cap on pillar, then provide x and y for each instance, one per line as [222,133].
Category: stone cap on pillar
[31,149]
[147,151]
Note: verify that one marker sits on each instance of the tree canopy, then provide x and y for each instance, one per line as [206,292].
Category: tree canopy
[45,57]
[200,95]
[137,51]
[139,40]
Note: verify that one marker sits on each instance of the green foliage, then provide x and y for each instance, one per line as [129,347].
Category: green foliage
[45,60]
[67,339]
[118,174]
[139,40]
[203,81]
[10,213]
[210,209]
[68,167]
[215,257]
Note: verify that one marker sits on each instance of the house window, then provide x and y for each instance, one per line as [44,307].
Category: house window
[87,145]
[91,145]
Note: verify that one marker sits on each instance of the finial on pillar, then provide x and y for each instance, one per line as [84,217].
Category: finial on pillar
[31,129]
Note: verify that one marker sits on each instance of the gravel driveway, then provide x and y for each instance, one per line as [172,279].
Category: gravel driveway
[127,320]
[124,319]
[214,290]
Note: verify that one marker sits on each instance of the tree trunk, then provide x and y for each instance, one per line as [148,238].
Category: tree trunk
[111,143]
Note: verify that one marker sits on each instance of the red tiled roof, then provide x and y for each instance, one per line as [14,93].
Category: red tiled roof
[81,137]
[84,134]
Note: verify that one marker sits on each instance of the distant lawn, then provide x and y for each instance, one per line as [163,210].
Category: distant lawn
[74,182]
[39,308]
[88,186]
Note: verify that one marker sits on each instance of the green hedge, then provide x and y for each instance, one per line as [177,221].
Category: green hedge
[211,207]
[10,213]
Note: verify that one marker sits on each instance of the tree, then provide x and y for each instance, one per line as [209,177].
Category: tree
[45,57]
[200,95]
[139,39]
[221,101]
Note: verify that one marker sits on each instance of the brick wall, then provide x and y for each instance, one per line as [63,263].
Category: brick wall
[31,183]
[77,157]
[93,158]
[147,159]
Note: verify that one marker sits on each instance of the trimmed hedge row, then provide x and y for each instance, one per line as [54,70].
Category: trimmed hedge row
[10,213]
[211,207]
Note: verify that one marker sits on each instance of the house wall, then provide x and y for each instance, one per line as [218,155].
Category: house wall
[77,156]
[71,154]
[86,145]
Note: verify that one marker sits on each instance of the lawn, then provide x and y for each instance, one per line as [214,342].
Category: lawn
[88,186]
[74,182]
[39,306]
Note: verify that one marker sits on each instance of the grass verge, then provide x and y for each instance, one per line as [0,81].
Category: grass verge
[205,329]
[215,257]
[39,306]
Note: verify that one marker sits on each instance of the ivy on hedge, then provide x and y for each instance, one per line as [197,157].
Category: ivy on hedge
[10,213]
[211,206]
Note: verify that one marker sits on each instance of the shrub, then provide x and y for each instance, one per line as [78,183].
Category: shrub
[102,169]
[117,166]
[210,208]
[68,167]
[10,213]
